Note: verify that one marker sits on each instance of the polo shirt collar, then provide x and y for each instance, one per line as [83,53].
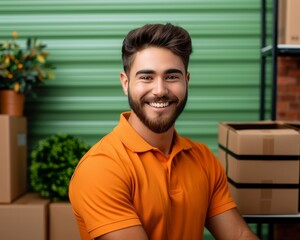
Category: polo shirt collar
[129,137]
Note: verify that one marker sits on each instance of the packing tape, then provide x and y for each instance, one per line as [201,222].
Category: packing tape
[268,145]
[266,193]
[265,206]
[266,198]
[226,153]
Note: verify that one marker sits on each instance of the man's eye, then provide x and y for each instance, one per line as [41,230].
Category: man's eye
[146,77]
[172,77]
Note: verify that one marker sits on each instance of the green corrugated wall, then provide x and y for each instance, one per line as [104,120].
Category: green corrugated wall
[84,41]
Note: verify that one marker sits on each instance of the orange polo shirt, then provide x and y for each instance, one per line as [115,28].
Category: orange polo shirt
[123,181]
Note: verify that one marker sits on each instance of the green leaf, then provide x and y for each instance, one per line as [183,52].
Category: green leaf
[53,161]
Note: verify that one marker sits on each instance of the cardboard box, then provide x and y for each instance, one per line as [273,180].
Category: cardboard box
[13,157]
[63,224]
[25,218]
[288,22]
[265,200]
[260,158]
[295,125]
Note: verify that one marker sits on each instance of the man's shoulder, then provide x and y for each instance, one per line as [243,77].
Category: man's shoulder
[107,145]
[106,152]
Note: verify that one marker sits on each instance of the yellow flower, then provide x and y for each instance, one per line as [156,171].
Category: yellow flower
[7,60]
[14,34]
[17,87]
[12,64]
[10,76]
[40,58]
[50,75]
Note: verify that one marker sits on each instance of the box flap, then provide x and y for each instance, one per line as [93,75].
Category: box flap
[259,138]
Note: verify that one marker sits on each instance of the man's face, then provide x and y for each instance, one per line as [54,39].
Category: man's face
[156,88]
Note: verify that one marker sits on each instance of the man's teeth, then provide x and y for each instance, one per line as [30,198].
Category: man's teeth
[159,105]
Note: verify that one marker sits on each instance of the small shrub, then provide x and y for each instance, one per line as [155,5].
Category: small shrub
[53,162]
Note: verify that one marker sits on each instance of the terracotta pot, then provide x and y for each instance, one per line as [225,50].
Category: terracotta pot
[11,103]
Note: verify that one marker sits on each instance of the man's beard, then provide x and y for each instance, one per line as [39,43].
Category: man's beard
[159,125]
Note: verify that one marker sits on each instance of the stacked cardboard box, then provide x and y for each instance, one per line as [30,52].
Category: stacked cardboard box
[13,158]
[25,218]
[288,27]
[25,215]
[62,222]
[22,216]
[294,125]
[261,160]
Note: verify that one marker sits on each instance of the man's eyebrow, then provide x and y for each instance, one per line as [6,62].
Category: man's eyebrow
[168,71]
[144,71]
[173,70]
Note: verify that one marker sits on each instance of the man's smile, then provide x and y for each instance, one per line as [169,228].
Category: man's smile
[159,104]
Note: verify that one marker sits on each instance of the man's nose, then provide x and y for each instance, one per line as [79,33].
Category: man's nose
[160,88]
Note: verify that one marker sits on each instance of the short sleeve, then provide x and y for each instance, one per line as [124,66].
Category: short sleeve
[100,193]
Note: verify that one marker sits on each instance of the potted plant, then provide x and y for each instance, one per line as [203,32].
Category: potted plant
[20,71]
[52,163]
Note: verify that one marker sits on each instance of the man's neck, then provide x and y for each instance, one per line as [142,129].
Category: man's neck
[162,141]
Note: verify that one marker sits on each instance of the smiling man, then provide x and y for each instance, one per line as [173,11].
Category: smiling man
[144,181]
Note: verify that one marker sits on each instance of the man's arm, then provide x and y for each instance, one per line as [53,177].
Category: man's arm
[230,226]
[132,233]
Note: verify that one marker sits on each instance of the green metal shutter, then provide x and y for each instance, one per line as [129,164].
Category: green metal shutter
[84,41]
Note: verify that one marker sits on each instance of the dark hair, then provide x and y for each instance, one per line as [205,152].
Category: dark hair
[174,38]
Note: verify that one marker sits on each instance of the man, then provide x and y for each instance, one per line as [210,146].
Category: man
[143,181]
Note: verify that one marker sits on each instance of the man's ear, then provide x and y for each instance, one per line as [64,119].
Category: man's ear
[188,77]
[124,81]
